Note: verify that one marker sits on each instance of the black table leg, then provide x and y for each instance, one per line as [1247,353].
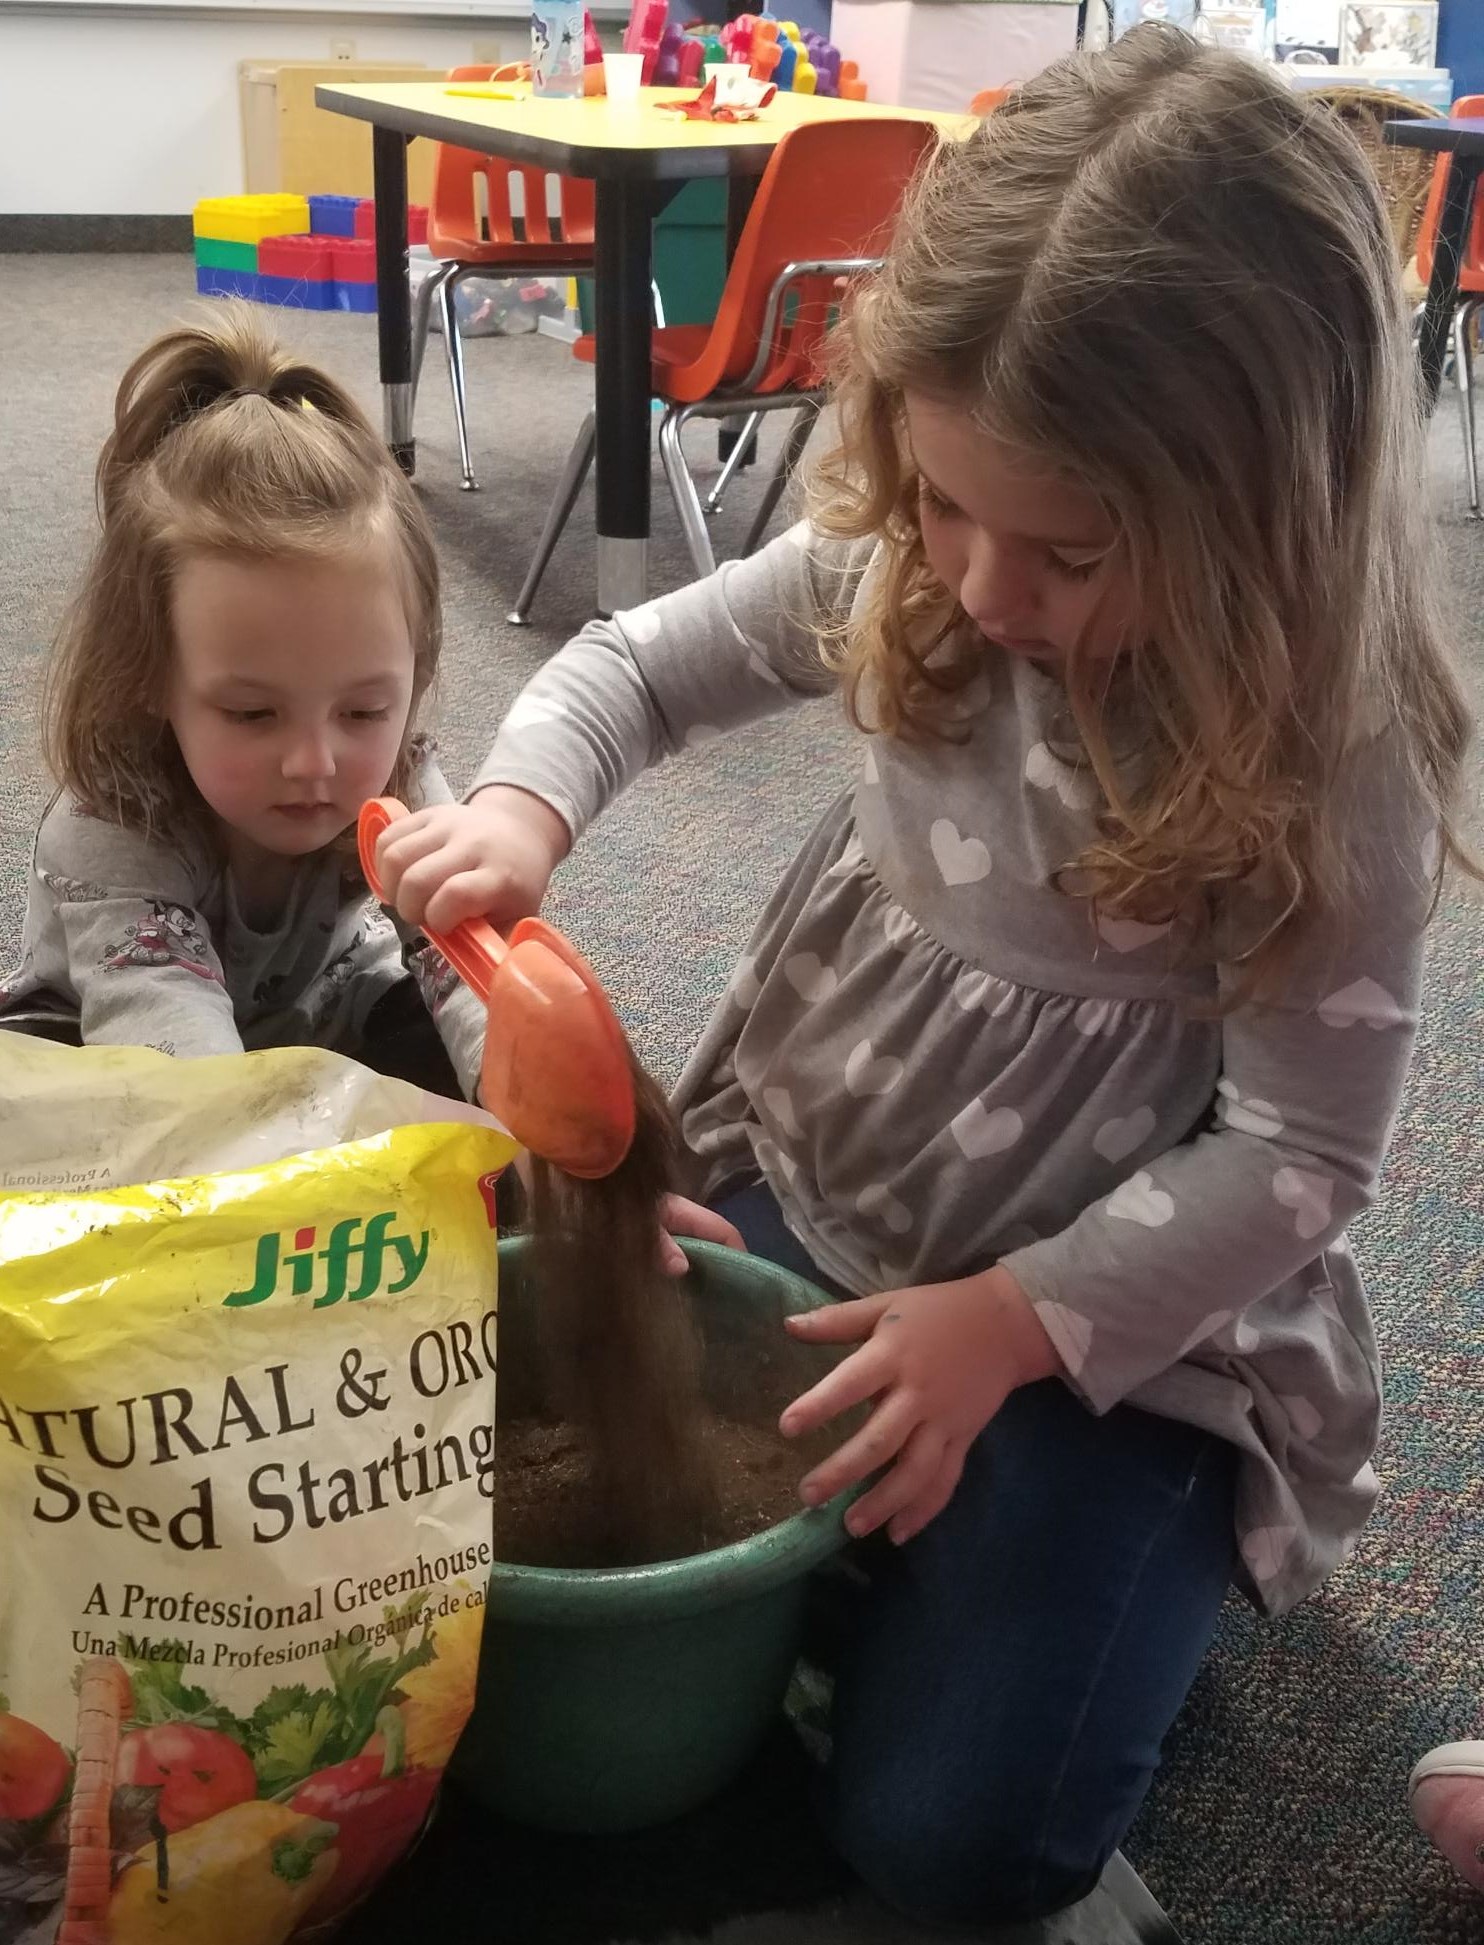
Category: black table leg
[393,292]
[623,252]
[1442,290]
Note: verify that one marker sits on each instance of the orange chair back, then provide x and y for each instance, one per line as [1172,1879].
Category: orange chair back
[831,190]
[1471,278]
[459,228]
[988,99]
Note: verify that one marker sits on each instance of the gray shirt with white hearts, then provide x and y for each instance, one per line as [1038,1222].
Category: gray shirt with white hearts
[936,1059]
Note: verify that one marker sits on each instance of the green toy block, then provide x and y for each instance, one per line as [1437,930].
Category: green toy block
[212,254]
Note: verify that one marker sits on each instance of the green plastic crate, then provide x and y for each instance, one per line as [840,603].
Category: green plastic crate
[690,256]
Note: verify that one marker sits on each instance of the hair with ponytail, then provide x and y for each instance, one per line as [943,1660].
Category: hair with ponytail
[222,444]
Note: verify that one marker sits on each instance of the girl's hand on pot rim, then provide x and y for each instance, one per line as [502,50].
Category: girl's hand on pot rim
[938,1361]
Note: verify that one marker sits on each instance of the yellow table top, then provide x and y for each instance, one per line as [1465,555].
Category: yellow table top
[593,137]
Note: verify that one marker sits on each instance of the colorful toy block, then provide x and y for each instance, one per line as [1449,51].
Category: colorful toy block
[779,51]
[248,219]
[315,253]
[212,255]
[333,215]
[308,257]
[364,226]
[825,57]
[213,281]
[644,33]
[354,261]
[297,271]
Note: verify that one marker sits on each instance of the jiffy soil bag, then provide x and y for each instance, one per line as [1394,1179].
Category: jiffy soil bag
[247,1373]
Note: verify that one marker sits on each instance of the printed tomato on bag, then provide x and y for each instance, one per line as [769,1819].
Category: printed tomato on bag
[246,1459]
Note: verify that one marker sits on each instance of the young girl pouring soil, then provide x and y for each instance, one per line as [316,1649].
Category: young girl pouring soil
[1073,1038]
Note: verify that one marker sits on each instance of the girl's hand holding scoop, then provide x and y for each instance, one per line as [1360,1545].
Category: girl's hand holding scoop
[491,858]
[939,1361]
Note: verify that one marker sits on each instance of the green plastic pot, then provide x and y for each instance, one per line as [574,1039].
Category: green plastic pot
[609,1699]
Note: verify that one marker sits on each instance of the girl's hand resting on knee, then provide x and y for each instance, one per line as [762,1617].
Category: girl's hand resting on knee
[491,858]
[939,1361]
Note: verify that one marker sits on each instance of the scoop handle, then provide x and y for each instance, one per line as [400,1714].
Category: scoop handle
[474,948]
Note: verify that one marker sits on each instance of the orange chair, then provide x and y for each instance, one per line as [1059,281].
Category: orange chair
[823,213]
[744,442]
[497,240]
[1471,296]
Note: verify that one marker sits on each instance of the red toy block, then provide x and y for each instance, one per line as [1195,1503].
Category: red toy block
[647,19]
[354,260]
[417,221]
[296,256]
[766,52]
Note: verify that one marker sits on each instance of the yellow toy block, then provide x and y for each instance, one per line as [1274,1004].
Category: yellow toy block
[248,219]
[806,77]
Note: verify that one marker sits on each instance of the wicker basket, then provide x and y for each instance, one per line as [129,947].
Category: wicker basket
[1405,174]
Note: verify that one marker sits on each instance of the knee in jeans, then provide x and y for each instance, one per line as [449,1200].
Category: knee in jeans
[941,1867]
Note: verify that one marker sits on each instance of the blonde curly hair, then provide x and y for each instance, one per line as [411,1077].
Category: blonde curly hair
[1163,275]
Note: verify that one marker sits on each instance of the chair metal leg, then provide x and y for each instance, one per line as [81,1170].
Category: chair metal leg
[742,449]
[683,491]
[453,346]
[579,461]
[422,312]
[1463,366]
[788,465]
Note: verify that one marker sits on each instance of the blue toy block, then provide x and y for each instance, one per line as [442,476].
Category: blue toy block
[212,281]
[355,297]
[297,293]
[333,215]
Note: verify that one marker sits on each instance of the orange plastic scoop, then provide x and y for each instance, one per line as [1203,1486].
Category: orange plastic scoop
[556,1065]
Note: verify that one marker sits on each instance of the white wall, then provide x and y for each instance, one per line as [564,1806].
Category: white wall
[139,116]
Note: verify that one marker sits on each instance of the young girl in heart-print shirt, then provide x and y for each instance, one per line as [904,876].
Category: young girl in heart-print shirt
[1072,1039]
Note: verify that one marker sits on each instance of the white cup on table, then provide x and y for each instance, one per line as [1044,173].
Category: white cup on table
[622,74]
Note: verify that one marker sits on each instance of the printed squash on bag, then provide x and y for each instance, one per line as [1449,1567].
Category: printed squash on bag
[246,1460]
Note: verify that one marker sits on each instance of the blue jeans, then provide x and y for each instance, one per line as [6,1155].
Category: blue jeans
[1012,1671]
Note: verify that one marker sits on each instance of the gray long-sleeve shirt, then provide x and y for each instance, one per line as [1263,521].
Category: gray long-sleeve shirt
[936,1059]
[143,942]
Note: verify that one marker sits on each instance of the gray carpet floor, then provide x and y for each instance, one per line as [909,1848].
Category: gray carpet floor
[1280,1816]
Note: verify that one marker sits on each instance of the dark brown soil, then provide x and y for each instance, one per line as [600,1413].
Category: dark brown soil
[627,1433]
[547,1513]
[617,1349]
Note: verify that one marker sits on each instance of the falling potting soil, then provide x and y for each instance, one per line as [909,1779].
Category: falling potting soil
[608,1450]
